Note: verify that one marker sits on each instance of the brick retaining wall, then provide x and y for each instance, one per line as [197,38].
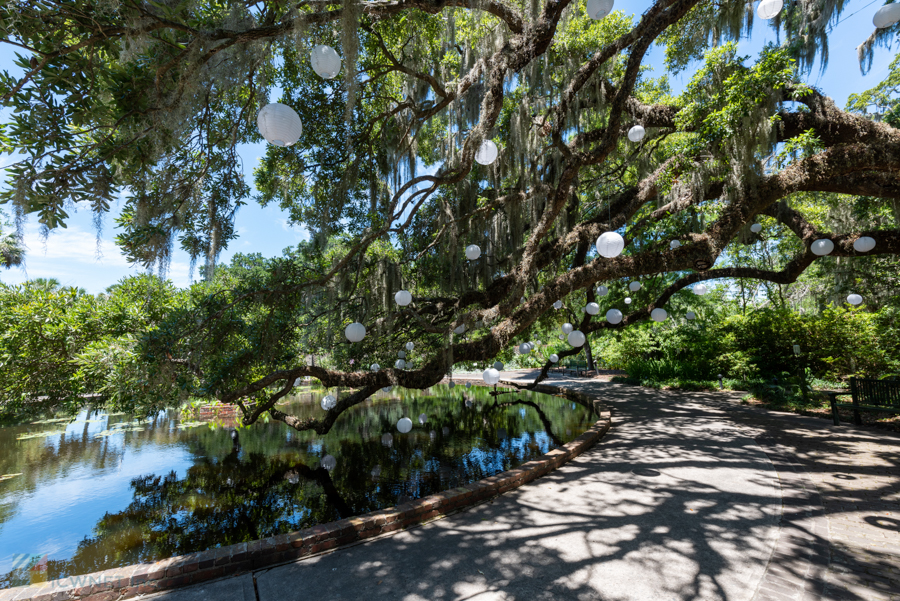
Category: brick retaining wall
[130,581]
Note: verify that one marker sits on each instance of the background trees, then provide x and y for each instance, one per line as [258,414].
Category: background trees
[153,99]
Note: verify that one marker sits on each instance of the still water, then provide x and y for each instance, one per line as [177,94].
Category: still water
[105,490]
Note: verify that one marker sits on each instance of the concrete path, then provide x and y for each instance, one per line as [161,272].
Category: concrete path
[689,496]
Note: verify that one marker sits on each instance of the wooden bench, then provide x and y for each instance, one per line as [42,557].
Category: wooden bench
[868,395]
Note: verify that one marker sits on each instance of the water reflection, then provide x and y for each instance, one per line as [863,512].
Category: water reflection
[108,490]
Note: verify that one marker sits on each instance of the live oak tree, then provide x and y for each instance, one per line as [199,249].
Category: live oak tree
[154,99]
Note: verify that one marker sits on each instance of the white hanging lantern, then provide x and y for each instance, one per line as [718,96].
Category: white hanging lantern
[627,300]
[610,244]
[674,244]
[328,403]
[329,462]
[498,365]
[523,349]
[886,16]
[634,286]
[577,338]
[490,376]
[690,315]
[567,328]
[460,329]
[279,124]
[298,381]
[854,299]
[864,244]
[409,365]
[522,301]
[400,364]
[410,346]
[557,305]
[769,9]
[700,289]
[756,228]
[468,385]
[401,354]
[387,389]
[374,367]
[473,252]
[403,298]
[487,153]
[387,439]
[636,133]
[451,385]
[822,247]
[614,316]
[355,332]
[592,308]
[658,314]
[423,418]
[325,61]
[597,9]
[554,358]
[602,290]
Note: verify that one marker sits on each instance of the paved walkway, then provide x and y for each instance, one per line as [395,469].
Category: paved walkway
[689,496]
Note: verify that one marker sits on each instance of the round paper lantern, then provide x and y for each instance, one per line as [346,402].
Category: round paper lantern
[610,244]
[822,247]
[886,16]
[329,462]
[634,286]
[769,9]
[592,308]
[567,328]
[404,425]
[400,364]
[636,133]
[700,289]
[522,301]
[854,299]
[451,385]
[597,9]
[387,389]
[279,124]
[468,385]
[460,329]
[298,381]
[557,305]
[523,349]
[403,298]
[690,315]
[325,61]
[577,338]
[756,228]
[602,290]
[674,244]
[554,358]
[863,244]
[498,365]
[423,418]
[490,376]
[355,332]
[374,367]
[387,439]
[561,337]
[487,153]
[328,403]
[658,314]
[473,252]
[614,316]
[627,300]
[401,354]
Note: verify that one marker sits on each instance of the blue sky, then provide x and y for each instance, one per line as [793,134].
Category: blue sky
[76,256]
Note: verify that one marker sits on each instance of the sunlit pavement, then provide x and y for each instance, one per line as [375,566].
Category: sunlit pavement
[689,496]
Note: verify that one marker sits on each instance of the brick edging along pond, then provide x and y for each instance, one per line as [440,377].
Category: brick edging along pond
[175,572]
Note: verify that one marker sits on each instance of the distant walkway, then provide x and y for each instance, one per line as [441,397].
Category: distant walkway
[689,496]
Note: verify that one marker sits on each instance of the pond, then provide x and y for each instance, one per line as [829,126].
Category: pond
[105,490]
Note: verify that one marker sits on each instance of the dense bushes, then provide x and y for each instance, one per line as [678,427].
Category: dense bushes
[758,344]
